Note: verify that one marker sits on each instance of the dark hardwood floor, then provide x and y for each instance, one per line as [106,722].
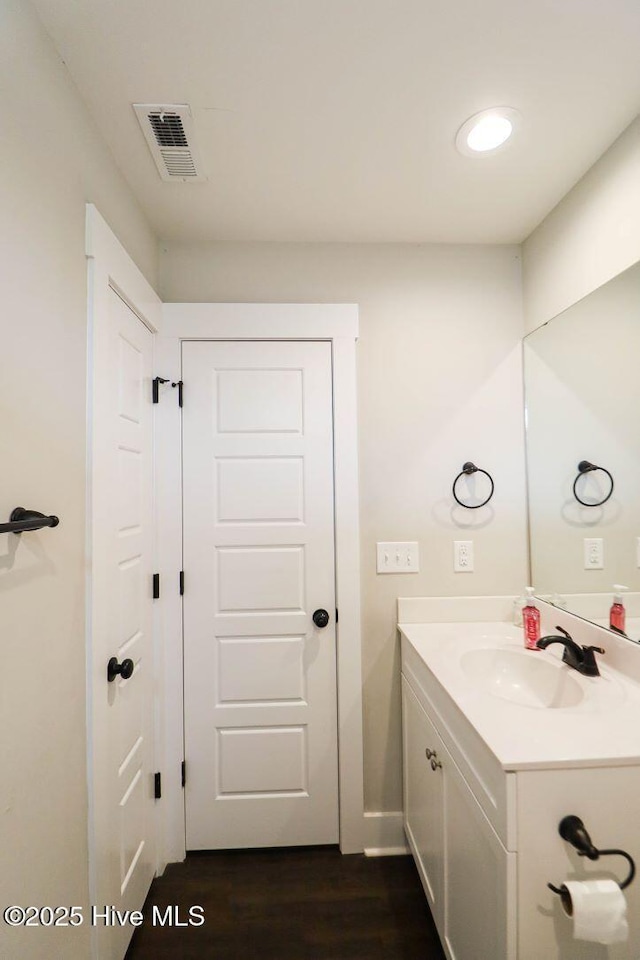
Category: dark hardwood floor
[307,903]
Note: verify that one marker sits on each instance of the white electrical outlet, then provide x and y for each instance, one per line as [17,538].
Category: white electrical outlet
[593,553]
[397,557]
[463,556]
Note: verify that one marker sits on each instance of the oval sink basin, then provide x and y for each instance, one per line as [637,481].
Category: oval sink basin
[528,679]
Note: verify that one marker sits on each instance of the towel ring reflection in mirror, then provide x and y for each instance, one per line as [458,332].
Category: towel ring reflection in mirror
[585,467]
[468,469]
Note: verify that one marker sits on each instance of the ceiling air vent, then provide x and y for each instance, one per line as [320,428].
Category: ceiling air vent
[169,132]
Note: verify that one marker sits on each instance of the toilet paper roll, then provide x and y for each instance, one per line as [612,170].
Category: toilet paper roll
[599,910]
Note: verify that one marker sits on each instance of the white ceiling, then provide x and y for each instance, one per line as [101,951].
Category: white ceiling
[334,120]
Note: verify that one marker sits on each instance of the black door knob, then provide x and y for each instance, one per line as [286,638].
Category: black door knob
[320,618]
[124,669]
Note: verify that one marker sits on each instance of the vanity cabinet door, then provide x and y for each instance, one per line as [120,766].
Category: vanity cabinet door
[423,800]
[480,879]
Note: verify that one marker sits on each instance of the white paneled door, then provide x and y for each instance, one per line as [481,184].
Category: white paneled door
[122,535]
[260,672]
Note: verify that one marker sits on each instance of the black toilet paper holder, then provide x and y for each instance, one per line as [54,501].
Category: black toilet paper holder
[573,830]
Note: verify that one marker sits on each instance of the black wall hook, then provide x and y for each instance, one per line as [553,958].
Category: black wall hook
[584,467]
[21,520]
[469,468]
[573,830]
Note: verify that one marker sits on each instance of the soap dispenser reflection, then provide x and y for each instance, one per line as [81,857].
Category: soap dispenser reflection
[617,613]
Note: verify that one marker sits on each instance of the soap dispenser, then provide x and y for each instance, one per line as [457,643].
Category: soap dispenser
[617,613]
[531,622]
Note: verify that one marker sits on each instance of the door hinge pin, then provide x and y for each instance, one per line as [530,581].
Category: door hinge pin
[157,786]
[179,385]
[156,586]
[336,614]
[181,582]
[183,773]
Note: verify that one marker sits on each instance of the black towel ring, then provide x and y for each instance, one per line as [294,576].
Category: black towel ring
[467,469]
[586,467]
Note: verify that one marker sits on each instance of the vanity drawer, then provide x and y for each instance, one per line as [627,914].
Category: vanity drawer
[493,788]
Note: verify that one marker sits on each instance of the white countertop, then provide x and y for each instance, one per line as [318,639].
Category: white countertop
[603,729]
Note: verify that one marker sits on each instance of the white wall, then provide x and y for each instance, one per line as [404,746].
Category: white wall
[591,236]
[52,162]
[439,383]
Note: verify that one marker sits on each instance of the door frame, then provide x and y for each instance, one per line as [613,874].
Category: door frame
[109,266]
[338,324]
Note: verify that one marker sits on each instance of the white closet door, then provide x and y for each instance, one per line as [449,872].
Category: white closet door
[260,675]
[122,535]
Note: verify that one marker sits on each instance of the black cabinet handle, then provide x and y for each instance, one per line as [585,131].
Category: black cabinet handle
[124,669]
[320,618]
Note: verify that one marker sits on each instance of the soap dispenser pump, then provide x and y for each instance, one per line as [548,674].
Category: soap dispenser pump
[617,613]
[531,622]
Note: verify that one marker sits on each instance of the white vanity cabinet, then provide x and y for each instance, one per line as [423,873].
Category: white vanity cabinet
[424,798]
[466,872]
[484,831]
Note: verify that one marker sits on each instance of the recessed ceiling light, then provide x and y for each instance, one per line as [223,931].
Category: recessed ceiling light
[486,131]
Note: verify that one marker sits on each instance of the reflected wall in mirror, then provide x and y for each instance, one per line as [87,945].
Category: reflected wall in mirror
[582,402]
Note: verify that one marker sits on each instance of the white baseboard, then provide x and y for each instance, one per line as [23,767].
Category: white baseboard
[384,835]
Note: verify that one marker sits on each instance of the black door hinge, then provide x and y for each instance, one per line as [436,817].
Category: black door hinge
[336,614]
[181,581]
[183,773]
[157,786]
[156,586]
[155,396]
[156,388]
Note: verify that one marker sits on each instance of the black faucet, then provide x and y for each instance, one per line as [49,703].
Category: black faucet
[580,658]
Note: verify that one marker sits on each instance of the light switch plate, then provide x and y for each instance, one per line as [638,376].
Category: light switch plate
[393,557]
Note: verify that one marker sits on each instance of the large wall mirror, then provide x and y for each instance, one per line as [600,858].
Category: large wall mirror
[582,406]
